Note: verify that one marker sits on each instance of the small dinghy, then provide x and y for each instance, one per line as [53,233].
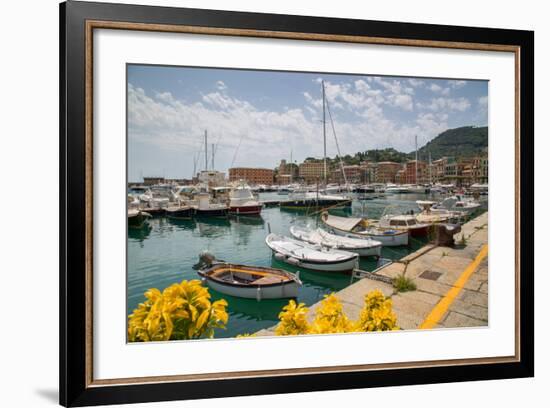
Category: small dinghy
[362,247]
[252,282]
[308,256]
[362,228]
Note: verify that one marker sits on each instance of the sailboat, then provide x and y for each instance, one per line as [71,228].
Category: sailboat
[416,188]
[305,199]
[204,207]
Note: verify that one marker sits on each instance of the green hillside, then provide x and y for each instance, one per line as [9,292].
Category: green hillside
[464,141]
[460,142]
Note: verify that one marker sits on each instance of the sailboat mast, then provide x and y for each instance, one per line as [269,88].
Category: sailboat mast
[213,154]
[324,137]
[430,165]
[205,150]
[291,166]
[416,160]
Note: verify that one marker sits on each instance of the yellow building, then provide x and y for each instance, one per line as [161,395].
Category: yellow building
[311,171]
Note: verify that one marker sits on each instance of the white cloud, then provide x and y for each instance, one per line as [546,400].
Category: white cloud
[483,101]
[415,82]
[439,89]
[221,85]
[166,122]
[403,101]
[434,88]
[456,84]
[440,103]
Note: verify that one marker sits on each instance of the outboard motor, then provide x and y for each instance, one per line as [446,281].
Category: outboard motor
[206,260]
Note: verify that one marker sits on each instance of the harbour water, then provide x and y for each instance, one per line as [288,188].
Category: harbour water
[165,251]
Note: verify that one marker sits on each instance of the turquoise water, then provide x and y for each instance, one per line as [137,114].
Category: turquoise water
[165,251]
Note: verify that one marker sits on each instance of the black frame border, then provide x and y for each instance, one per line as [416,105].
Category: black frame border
[72,125]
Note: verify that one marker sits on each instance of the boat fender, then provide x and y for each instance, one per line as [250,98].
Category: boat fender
[293,261]
[259,294]
[280,257]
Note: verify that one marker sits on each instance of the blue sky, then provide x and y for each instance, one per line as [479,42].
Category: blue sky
[256,118]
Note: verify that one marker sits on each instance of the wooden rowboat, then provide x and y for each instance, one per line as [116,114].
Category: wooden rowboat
[252,282]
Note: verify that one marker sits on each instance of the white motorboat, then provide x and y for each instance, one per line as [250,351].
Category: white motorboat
[362,228]
[431,215]
[395,189]
[362,247]
[302,199]
[243,202]
[457,203]
[308,256]
[206,208]
[252,282]
[393,218]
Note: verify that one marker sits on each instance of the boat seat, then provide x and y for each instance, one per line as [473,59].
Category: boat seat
[266,280]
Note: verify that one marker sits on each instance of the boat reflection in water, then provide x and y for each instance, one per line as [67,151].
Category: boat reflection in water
[324,282]
[243,228]
[140,234]
[247,220]
[182,224]
[213,227]
[250,309]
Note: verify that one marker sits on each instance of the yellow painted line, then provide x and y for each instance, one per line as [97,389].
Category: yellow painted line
[439,310]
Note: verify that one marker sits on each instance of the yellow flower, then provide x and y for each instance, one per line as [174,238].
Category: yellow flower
[376,315]
[182,311]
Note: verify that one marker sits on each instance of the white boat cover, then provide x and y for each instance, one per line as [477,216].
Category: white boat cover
[301,250]
[321,237]
[342,223]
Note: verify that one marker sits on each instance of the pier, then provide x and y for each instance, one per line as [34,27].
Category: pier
[451,284]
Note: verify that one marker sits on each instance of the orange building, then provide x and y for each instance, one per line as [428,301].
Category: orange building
[251,175]
[421,177]
[386,171]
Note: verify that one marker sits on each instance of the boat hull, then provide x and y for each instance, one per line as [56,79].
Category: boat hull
[156,212]
[212,212]
[283,291]
[136,221]
[398,239]
[180,213]
[246,210]
[373,251]
[308,204]
[336,266]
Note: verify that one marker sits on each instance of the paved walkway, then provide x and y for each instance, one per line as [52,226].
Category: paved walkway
[451,284]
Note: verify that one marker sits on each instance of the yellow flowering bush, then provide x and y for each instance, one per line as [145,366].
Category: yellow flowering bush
[182,311]
[376,315]
[330,317]
[293,320]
